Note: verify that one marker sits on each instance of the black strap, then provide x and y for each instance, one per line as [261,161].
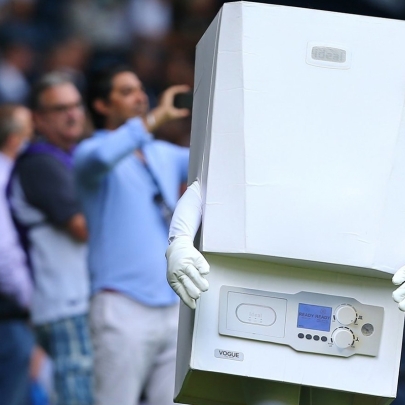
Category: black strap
[158,198]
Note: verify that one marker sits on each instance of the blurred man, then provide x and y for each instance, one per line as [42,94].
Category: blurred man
[16,340]
[44,203]
[129,184]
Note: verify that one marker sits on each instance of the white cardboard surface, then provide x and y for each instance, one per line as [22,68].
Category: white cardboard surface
[301,161]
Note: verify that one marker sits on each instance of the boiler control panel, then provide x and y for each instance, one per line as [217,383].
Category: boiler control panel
[306,321]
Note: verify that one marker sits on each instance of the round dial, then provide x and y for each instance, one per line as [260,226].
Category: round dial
[346,315]
[343,338]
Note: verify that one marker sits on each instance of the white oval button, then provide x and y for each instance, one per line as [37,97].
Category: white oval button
[256,314]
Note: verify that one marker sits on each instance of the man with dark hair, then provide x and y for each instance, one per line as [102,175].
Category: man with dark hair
[128,184]
[44,204]
[16,340]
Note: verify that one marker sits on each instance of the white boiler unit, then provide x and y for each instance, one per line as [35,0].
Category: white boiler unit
[298,138]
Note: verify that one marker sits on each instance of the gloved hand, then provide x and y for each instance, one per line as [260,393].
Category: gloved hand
[399,294]
[186,268]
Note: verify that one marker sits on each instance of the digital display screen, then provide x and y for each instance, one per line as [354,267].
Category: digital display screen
[314,317]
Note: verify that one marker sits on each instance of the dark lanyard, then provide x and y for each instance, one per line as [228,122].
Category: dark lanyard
[164,208]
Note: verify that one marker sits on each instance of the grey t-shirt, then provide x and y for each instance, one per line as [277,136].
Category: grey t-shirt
[43,199]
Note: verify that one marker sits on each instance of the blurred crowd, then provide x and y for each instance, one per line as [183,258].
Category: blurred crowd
[73,214]
[156,37]
[50,52]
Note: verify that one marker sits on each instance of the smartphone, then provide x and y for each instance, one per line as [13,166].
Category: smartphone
[183,100]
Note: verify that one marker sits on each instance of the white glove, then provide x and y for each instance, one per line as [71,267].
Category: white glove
[186,268]
[399,294]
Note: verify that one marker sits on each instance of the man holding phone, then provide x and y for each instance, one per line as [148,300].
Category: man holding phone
[184,100]
[129,184]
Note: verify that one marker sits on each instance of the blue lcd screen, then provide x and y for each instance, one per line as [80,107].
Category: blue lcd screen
[314,317]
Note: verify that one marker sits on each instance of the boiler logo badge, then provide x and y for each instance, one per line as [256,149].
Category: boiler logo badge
[228,354]
[328,54]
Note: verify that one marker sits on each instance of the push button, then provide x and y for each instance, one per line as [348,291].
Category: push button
[309,337]
[324,338]
[256,314]
[316,337]
[301,335]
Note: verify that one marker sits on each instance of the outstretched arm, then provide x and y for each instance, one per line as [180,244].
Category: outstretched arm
[94,157]
[186,266]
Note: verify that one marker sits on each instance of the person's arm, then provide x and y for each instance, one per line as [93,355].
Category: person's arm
[15,281]
[77,227]
[186,266]
[49,186]
[96,156]
[166,111]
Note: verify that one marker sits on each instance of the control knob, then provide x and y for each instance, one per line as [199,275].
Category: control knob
[346,315]
[343,338]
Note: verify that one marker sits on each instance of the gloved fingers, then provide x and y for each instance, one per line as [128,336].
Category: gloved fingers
[202,265]
[192,290]
[399,276]
[401,305]
[196,278]
[399,294]
[182,293]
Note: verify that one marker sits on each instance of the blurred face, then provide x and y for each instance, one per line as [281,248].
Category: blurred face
[23,134]
[127,99]
[24,118]
[61,117]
